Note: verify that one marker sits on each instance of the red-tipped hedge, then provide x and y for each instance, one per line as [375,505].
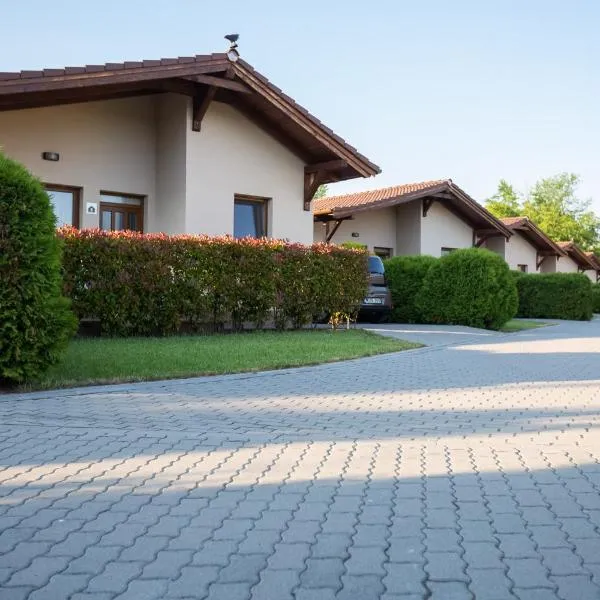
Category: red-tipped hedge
[148,284]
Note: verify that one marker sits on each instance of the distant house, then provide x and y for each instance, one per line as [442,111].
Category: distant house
[595,274]
[576,261]
[201,144]
[529,249]
[431,217]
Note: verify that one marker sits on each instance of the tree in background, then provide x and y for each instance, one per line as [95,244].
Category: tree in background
[552,204]
[321,192]
[505,202]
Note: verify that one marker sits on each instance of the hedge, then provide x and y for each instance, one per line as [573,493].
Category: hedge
[35,321]
[405,275]
[596,298]
[471,287]
[148,284]
[555,296]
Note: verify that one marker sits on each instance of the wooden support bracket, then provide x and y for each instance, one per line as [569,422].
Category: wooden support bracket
[330,234]
[312,181]
[427,202]
[539,261]
[201,102]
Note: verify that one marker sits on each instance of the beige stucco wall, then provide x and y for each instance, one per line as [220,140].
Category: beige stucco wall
[443,229]
[549,264]
[408,228]
[566,265]
[374,228]
[168,211]
[497,244]
[108,145]
[146,146]
[231,155]
[520,252]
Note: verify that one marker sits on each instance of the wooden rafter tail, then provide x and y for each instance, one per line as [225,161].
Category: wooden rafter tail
[201,102]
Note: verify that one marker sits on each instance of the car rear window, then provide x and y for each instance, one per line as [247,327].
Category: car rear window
[376,265]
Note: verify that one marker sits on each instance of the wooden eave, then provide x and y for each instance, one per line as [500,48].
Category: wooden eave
[205,78]
[575,253]
[537,238]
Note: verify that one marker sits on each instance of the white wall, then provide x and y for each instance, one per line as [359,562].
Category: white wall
[108,145]
[591,273]
[520,252]
[497,244]
[566,265]
[408,228]
[375,228]
[168,211]
[443,229]
[549,264]
[231,155]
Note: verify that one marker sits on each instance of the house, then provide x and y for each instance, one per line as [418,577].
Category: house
[529,249]
[201,144]
[431,217]
[576,261]
[594,274]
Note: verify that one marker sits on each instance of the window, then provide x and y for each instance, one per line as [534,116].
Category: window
[383,253]
[65,202]
[121,211]
[446,251]
[250,217]
[522,268]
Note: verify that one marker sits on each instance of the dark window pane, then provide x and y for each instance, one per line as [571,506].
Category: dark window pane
[119,221]
[132,221]
[116,199]
[62,203]
[105,221]
[249,219]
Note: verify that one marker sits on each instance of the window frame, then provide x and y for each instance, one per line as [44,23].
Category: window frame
[254,200]
[523,268]
[76,191]
[389,252]
[139,209]
[445,251]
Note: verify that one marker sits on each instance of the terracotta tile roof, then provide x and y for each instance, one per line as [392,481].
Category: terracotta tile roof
[141,64]
[594,258]
[533,234]
[331,203]
[33,84]
[577,254]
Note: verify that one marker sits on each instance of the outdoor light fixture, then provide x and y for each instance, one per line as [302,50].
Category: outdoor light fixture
[53,156]
[232,53]
[355,234]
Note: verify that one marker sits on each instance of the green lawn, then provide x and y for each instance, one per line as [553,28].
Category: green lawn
[519,325]
[112,360]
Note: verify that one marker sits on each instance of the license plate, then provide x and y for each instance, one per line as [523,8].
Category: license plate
[373,301]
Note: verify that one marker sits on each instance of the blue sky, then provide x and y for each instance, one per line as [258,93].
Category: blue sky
[475,90]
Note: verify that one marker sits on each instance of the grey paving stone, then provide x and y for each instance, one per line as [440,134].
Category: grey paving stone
[243,568]
[407,526]
[189,538]
[489,584]
[365,561]
[115,577]
[445,566]
[404,578]
[576,587]
[144,549]
[548,536]
[289,556]
[231,591]
[261,542]
[16,593]
[23,554]
[562,561]
[322,573]
[60,586]
[366,587]
[406,550]
[144,590]
[304,531]
[38,572]
[370,535]
[312,594]
[331,545]
[482,555]
[449,591]
[528,573]
[167,564]
[276,584]
[215,553]
[193,582]
[93,560]
[539,594]
[442,540]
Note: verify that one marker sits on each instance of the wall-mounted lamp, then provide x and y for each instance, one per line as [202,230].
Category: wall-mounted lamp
[355,234]
[53,156]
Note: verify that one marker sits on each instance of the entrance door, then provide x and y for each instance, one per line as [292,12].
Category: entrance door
[119,212]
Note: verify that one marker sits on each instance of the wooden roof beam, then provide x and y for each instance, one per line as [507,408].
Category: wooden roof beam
[219,82]
[326,166]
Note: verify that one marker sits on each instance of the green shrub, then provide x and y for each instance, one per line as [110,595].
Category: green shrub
[596,298]
[555,296]
[405,275]
[353,246]
[148,284]
[471,287]
[35,320]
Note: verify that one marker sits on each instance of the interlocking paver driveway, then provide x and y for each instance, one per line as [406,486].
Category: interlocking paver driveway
[458,471]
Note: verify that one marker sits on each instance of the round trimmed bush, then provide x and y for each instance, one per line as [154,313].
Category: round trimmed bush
[596,298]
[35,320]
[405,275]
[472,287]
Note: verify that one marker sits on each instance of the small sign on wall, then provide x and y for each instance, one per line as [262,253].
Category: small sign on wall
[91,208]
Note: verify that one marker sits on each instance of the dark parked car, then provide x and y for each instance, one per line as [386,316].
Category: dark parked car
[377,305]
